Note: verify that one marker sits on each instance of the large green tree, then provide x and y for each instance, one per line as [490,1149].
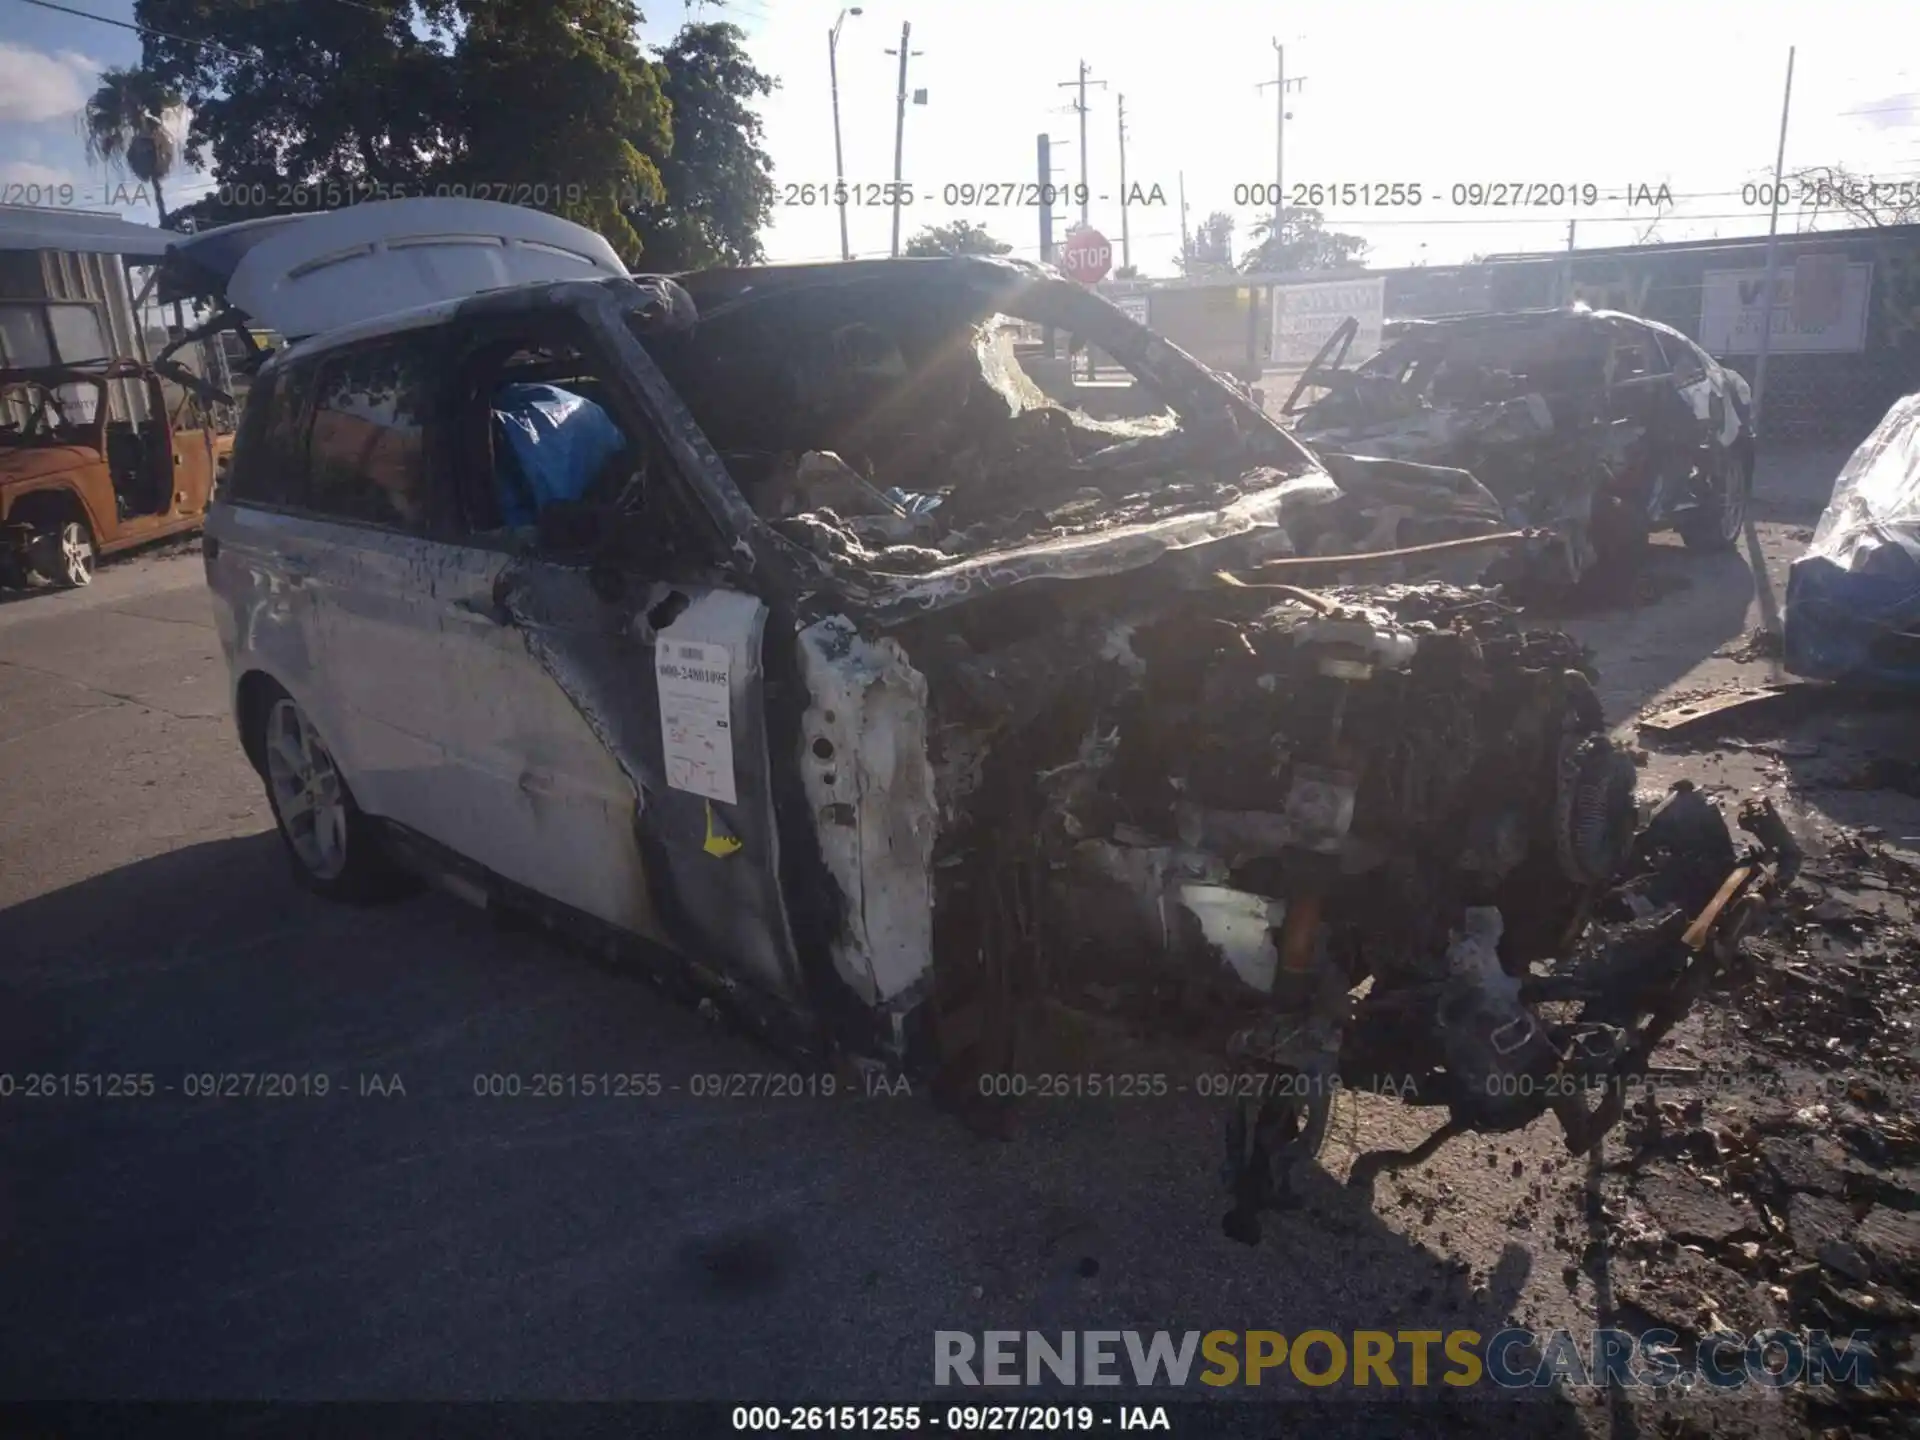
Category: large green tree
[550,101]
[717,177]
[962,237]
[556,92]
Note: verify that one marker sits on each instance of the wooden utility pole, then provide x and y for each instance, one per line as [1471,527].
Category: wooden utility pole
[1080,105]
[1773,252]
[1280,85]
[900,128]
[1043,145]
[1186,241]
[1126,244]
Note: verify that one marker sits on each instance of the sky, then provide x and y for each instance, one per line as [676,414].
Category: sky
[1617,95]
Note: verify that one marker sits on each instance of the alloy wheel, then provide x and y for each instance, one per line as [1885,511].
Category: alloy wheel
[307,791]
[64,554]
[76,554]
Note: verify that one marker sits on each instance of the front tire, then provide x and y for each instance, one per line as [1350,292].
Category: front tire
[1716,523]
[336,850]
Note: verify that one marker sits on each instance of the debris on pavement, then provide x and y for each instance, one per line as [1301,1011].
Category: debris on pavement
[1775,1179]
[1718,707]
[1759,643]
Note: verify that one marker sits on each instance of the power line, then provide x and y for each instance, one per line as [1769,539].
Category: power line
[134,26]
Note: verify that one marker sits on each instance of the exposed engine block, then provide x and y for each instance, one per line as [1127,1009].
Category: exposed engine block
[1214,818]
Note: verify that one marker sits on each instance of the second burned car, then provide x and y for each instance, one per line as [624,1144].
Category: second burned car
[1601,426]
[773,616]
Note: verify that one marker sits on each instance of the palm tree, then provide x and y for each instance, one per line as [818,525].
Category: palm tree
[127,123]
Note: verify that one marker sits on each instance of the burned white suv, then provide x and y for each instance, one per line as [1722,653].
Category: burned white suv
[774,627]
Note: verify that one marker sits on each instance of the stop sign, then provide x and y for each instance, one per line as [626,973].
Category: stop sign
[1087,256]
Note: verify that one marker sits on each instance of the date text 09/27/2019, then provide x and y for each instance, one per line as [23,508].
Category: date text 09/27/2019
[956,1419]
[985,194]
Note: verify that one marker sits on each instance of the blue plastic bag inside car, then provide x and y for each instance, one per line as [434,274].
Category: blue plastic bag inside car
[556,442]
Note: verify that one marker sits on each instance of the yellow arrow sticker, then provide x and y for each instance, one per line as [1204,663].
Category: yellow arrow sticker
[718,844]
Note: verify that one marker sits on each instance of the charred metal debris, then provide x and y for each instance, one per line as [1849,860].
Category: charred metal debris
[1155,733]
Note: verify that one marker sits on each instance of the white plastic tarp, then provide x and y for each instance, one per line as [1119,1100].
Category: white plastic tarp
[1853,600]
[1876,499]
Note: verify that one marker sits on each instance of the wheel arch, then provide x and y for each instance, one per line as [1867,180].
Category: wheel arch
[54,502]
[252,698]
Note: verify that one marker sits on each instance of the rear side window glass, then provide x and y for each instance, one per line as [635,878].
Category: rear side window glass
[1635,356]
[270,453]
[367,445]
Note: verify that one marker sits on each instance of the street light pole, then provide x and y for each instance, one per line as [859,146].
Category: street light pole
[839,164]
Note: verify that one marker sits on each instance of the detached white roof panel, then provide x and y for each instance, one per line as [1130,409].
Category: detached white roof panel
[25,227]
[308,274]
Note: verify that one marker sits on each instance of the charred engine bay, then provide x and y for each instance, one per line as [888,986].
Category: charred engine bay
[1240,743]
[1360,832]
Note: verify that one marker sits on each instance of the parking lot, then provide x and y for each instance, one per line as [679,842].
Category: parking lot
[410,1233]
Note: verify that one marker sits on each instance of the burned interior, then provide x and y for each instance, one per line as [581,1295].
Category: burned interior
[881,420]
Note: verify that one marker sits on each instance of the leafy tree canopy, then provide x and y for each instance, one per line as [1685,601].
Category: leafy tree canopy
[962,237]
[1303,243]
[1209,250]
[550,104]
[718,179]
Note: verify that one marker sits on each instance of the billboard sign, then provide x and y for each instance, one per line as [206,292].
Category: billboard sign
[1819,307]
[1305,315]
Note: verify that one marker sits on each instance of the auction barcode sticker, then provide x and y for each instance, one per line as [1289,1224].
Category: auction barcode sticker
[696,716]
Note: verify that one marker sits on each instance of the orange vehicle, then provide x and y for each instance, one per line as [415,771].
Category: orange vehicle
[77,484]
